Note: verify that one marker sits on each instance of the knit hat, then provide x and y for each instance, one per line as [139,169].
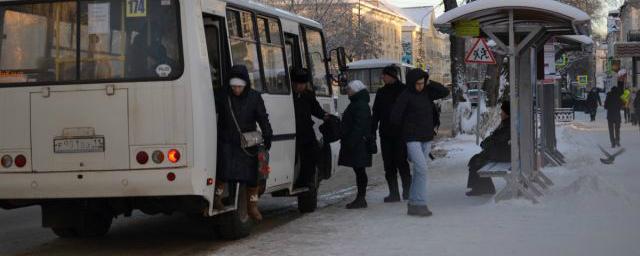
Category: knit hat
[391,70]
[356,86]
[506,107]
[300,75]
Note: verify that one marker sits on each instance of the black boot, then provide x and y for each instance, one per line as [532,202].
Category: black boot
[394,193]
[358,203]
[418,210]
[406,187]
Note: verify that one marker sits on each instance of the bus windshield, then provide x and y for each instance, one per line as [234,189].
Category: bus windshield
[83,41]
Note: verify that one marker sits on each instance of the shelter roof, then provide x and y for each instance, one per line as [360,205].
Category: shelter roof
[375,63]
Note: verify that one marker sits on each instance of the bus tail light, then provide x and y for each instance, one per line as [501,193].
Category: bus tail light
[157,157]
[7,161]
[142,157]
[20,161]
[173,156]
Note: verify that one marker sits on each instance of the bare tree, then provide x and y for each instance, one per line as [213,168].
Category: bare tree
[457,49]
[342,25]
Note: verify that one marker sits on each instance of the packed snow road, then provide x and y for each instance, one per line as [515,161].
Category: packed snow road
[21,233]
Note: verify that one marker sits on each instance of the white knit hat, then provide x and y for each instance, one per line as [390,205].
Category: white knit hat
[237,82]
[356,86]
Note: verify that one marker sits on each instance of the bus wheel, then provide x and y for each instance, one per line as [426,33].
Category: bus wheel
[308,201]
[236,224]
[94,224]
[65,232]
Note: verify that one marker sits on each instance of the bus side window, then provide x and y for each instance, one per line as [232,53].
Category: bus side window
[212,34]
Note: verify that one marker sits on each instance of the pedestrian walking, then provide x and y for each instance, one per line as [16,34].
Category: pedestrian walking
[632,107]
[356,139]
[394,150]
[414,111]
[240,108]
[306,106]
[495,148]
[625,97]
[613,104]
[593,101]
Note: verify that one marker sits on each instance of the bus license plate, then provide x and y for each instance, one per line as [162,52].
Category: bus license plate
[79,145]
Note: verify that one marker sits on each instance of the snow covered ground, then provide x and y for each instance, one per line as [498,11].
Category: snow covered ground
[593,209]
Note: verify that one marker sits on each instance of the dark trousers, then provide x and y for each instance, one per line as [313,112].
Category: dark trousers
[614,132]
[474,181]
[593,115]
[361,181]
[627,115]
[308,153]
[394,157]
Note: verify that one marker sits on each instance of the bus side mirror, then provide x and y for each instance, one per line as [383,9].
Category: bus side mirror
[342,58]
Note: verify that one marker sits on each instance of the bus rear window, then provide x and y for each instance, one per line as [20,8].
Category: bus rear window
[83,41]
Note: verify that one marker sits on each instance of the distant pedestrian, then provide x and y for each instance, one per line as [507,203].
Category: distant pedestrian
[414,111]
[355,139]
[593,101]
[613,104]
[625,97]
[632,107]
[394,150]
[495,148]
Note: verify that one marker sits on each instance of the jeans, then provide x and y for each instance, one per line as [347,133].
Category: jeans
[418,155]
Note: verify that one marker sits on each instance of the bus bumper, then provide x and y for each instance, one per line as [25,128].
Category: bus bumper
[102,184]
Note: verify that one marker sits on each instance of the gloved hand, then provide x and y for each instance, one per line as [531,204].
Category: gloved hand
[267,143]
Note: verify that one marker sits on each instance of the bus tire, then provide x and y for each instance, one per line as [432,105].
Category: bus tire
[94,224]
[65,232]
[308,201]
[236,224]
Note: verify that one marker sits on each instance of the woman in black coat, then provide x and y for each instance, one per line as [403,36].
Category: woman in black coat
[356,134]
[613,105]
[495,148]
[235,163]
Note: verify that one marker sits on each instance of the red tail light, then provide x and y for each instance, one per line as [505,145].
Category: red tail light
[142,157]
[20,161]
[173,155]
[171,176]
[157,157]
[7,161]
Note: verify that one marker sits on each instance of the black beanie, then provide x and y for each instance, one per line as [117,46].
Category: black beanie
[300,75]
[506,107]
[391,70]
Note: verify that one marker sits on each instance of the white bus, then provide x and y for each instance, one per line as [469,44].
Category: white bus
[108,106]
[370,73]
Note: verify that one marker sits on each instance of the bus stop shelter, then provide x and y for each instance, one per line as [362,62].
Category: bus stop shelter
[521,28]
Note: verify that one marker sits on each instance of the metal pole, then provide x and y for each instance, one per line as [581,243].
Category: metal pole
[480,98]
[513,95]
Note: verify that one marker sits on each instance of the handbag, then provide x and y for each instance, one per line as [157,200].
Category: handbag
[247,139]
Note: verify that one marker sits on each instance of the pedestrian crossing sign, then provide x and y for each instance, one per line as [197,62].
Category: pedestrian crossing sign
[480,53]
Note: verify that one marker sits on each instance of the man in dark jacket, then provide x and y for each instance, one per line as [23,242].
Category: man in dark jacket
[495,148]
[613,104]
[414,111]
[306,105]
[241,106]
[394,150]
[593,101]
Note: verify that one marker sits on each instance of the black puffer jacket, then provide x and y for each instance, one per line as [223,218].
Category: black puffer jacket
[613,104]
[306,105]
[386,97]
[249,109]
[414,110]
[356,129]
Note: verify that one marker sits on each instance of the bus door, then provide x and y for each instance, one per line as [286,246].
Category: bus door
[292,48]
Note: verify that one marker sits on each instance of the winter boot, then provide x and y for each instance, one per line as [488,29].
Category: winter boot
[252,204]
[394,193]
[217,199]
[358,203]
[418,210]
